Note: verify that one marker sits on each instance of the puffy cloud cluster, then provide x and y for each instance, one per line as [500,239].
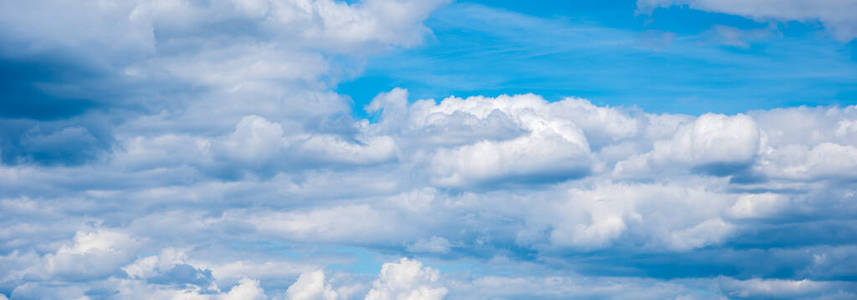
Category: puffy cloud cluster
[94,66]
[456,178]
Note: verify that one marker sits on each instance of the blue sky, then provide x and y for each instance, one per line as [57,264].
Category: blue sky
[428,149]
[673,59]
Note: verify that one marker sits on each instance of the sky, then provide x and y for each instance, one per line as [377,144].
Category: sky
[431,149]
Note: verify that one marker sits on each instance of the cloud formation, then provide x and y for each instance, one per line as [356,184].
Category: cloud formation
[205,154]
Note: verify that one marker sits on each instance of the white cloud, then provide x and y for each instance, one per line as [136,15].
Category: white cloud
[244,289]
[311,286]
[131,24]
[258,143]
[713,138]
[92,254]
[655,216]
[406,279]
[758,205]
[332,148]
[350,222]
[554,149]
[825,160]
[550,145]
[247,289]
[712,143]
[150,266]
[846,128]
[255,140]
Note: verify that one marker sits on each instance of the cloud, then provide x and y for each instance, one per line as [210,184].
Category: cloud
[826,160]
[668,209]
[758,205]
[255,139]
[782,289]
[553,151]
[548,148]
[832,13]
[552,287]
[311,286]
[406,279]
[714,144]
[246,289]
[214,62]
[91,255]
[643,215]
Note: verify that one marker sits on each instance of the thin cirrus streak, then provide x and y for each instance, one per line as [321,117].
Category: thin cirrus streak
[193,150]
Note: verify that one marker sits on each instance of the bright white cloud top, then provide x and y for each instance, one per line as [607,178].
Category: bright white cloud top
[216,163]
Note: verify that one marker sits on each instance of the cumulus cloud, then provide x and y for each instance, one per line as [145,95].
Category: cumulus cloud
[244,289]
[758,205]
[167,62]
[311,286]
[702,185]
[549,146]
[255,139]
[643,215]
[91,254]
[406,279]
[715,144]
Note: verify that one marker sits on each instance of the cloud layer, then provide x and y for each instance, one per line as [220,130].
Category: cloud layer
[202,153]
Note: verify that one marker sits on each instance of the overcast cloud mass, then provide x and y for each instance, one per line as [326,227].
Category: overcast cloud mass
[183,149]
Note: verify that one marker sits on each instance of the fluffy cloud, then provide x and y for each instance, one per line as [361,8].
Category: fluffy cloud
[676,203]
[548,146]
[311,286]
[406,279]
[254,140]
[244,289]
[91,255]
[715,144]
[166,63]
[642,215]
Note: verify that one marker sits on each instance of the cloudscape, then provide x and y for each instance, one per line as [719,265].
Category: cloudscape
[428,149]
